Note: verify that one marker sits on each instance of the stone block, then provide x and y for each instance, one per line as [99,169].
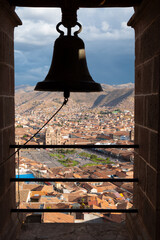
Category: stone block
[147,77]
[7,171]
[154,150]
[3,183]
[1,146]
[136,137]
[152,111]
[1,112]
[138,50]
[7,25]
[6,203]
[150,41]
[9,118]
[11,88]
[138,82]
[136,165]
[157,226]
[8,139]
[140,200]
[144,143]
[5,79]
[156,75]
[139,109]
[12,194]
[135,195]
[5,211]
[149,218]
[158,192]
[152,185]
[6,49]
[142,174]
[136,185]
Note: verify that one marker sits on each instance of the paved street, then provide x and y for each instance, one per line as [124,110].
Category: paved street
[42,155]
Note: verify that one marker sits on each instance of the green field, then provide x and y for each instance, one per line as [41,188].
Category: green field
[62,156]
[94,158]
[68,162]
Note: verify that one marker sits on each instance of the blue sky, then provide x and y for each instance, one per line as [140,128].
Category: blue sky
[109,44]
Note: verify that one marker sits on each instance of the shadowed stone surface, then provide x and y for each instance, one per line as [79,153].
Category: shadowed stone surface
[75,231]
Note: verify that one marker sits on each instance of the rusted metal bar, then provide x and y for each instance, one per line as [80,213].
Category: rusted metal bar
[76,210]
[74,180]
[76,146]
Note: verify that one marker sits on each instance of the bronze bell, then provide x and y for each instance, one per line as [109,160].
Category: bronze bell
[69,71]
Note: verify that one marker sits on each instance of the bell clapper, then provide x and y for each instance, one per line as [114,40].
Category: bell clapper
[66,95]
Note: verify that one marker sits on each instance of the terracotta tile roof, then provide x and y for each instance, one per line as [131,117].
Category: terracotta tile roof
[57,218]
[104,204]
[49,199]
[128,186]
[37,193]
[47,188]
[103,188]
[31,205]
[20,132]
[94,207]
[30,186]
[109,185]
[76,175]
[109,199]
[68,175]
[38,188]
[129,174]
[73,197]
[121,174]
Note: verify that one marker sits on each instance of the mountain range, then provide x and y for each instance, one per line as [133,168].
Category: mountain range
[115,96]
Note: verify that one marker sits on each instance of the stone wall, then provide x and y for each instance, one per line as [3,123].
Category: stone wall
[146,22]
[8,20]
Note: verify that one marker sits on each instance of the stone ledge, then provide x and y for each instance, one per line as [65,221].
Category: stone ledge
[8,9]
[73,231]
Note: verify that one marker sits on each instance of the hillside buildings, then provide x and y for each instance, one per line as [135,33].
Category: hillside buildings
[79,126]
[84,195]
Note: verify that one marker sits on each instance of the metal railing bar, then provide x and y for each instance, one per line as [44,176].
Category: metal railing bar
[76,146]
[74,179]
[75,210]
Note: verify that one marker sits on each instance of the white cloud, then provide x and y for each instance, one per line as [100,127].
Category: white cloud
[114,16]
[36,33]
[20,57]
[105,26]
[105,32]
[39,70]
[34,43]
[39,25]
[50,15]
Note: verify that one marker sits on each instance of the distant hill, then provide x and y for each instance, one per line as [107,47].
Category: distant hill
[121,96]
[113,98]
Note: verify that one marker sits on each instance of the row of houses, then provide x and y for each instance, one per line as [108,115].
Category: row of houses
[69,195]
